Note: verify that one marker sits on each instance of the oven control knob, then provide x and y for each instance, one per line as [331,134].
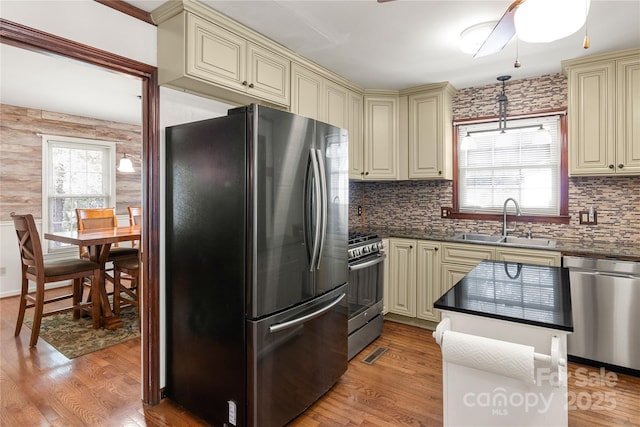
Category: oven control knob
[366,249]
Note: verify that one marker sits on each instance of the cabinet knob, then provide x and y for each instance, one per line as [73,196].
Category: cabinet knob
[611,166]
[620,166]
[366,173]
[435,249]
[439,172]
[244,83]
[410,246]
[251,85]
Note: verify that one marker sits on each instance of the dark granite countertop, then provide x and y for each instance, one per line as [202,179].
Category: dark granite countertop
[522,293]
[621,250]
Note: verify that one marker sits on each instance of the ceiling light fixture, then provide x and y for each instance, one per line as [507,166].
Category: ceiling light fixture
[125,164]
[544,21]
[472,38]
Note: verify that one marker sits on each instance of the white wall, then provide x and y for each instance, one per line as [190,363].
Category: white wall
[87,22]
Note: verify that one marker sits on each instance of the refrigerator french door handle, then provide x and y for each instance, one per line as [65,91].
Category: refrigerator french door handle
[318,210]
[291,323]
[324,205]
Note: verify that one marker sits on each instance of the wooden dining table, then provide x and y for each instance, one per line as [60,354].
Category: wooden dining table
[99,242]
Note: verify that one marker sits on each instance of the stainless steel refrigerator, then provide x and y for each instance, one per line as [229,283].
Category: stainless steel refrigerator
[256,265]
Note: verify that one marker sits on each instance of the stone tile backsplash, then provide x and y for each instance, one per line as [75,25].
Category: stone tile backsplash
[416,205]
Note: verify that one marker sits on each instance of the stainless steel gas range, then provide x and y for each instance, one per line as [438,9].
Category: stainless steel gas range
[365,290]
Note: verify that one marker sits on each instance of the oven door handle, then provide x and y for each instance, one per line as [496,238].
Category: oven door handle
[368,263]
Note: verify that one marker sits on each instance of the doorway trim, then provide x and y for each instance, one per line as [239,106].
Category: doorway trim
[39,41]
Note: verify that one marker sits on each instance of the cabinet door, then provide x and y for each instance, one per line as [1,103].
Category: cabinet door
[306,92]
[428,280]
[215,54]
[268,75]
[628,113]
[356,147]
[452,274]
[336,105]
[528,256]
[385,292]
[402,277]
[426,133]
[591,119]
[381,137]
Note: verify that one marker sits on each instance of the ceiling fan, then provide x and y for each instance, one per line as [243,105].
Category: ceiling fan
[536,21]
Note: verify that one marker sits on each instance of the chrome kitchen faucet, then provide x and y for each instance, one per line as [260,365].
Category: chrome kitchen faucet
[506,230]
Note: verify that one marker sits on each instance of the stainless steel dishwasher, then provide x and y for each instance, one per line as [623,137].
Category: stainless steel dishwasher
[605,299]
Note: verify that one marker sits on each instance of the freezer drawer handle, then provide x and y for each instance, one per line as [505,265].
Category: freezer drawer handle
[303,319]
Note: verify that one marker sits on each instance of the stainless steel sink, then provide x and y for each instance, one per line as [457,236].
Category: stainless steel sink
[509,240]
[525,241]
[478,237]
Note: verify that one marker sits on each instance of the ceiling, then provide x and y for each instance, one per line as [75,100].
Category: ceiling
[393,45]
[406,43]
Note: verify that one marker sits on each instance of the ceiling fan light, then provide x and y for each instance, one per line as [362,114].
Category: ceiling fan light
[472,38]
[544,21]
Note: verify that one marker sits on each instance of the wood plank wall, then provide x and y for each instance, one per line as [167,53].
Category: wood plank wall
[21,155]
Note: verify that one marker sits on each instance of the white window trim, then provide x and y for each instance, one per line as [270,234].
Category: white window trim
[46,139]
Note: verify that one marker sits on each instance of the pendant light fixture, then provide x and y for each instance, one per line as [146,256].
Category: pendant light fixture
[504,139]
[125,164]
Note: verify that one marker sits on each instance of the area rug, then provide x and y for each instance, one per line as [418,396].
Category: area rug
[74,338]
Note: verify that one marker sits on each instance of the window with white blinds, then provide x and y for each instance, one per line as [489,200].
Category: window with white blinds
[522,162]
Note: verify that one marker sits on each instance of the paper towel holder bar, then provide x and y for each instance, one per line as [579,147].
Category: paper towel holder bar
[554,359]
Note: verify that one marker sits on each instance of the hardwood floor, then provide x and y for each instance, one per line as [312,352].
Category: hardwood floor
[403,387]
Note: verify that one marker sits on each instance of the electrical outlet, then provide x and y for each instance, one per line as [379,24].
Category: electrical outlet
[445,212]
[359,210]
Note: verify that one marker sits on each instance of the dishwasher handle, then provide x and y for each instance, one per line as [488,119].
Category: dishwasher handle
[606,273]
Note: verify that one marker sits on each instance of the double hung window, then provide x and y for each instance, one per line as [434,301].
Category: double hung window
[77,173]
[523,161]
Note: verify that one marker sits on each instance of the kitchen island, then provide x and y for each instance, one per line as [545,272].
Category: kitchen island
[504,341]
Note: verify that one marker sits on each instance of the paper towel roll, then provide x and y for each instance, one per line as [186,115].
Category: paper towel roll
[486,354]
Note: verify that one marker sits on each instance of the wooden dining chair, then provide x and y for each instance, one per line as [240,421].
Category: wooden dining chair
[135,218]
[128,269]
[42,272]
[92,218]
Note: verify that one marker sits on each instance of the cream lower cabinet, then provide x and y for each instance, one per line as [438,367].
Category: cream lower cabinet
[198,55]
[427,280]
[402,277]
[385,280]
[529,256]
[604,124]
[414,277]
[457,260]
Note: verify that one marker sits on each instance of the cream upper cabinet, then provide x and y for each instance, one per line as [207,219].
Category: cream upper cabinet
[402,277]
[628,114]
[198,55]
[385,280]
[430,132]
[336,105]
[380,151]
[356,141]
[307,92]
[604,124]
